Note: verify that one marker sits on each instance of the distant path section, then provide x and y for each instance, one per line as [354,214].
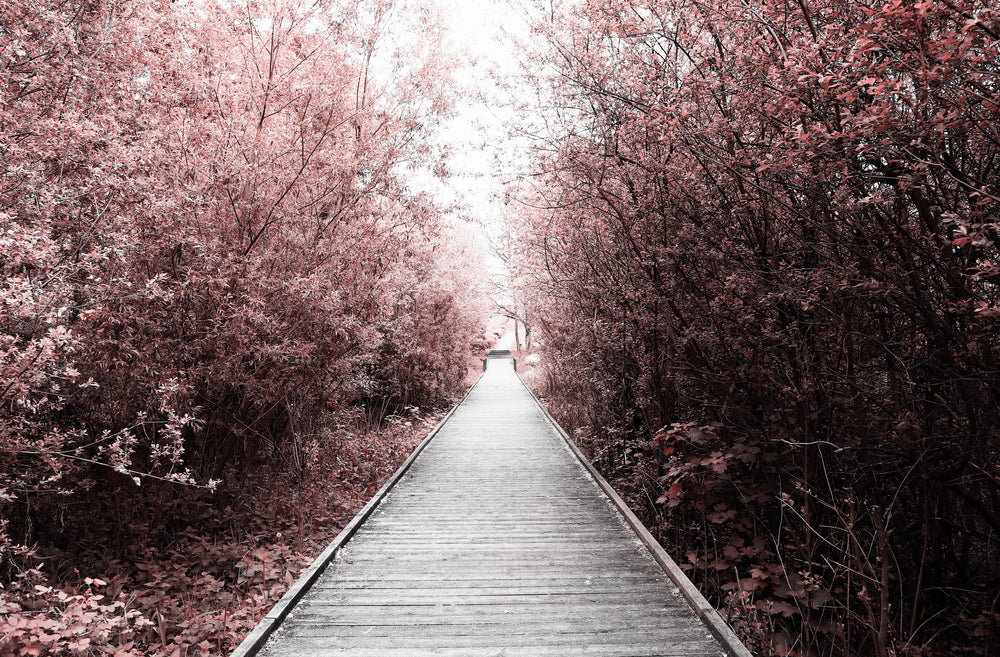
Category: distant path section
[496,541]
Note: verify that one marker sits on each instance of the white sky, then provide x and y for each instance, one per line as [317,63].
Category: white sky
[482,38]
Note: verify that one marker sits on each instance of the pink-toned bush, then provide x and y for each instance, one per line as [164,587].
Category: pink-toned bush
[204,233]
[39,620]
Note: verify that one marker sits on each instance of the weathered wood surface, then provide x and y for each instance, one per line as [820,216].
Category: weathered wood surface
[495,542]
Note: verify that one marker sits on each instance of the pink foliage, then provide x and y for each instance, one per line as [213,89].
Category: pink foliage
[767,286]
[209,262]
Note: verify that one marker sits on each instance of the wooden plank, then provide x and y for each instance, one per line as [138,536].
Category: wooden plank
[665,642]
[632,649]
[521,596]
[392,612]
[498,634]
[547,619]
[455,584]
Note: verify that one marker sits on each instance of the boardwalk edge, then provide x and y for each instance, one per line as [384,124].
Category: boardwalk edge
[706,612]
[284,606]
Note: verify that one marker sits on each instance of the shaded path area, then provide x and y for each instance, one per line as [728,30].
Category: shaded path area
[496,541]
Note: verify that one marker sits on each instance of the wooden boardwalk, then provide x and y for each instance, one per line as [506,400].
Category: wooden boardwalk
[495,541]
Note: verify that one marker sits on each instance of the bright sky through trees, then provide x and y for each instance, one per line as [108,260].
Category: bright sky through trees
[480,36]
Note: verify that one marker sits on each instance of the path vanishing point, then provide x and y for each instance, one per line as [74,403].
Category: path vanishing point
[495,539]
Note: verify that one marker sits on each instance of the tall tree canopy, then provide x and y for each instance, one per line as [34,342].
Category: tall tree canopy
[210,256]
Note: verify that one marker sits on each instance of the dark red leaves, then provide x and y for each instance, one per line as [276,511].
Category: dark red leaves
[771,229]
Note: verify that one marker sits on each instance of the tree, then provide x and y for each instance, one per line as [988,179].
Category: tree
[768,267]
[205,224]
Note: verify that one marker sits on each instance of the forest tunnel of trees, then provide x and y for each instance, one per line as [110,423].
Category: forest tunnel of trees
[757,252]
